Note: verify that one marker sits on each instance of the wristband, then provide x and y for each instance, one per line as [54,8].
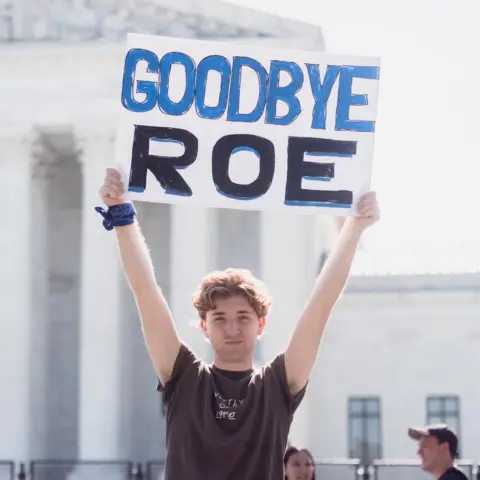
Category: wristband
[117,216]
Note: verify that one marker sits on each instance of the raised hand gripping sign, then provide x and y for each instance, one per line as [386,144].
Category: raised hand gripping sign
[227,125]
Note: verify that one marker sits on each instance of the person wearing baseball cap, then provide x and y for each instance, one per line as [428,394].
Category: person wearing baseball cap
[438,448]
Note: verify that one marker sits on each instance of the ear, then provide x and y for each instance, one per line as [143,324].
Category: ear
[446,447]
[261,325]
[203,326]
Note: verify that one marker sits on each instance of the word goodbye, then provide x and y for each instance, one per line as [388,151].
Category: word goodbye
[270,92]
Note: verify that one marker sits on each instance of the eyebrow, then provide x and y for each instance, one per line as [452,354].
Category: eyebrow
[217,314]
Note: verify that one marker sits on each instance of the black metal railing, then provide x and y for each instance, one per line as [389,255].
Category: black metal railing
[154,470]
[401,469]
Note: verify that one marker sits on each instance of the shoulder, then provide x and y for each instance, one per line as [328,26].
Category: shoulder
[188,372]
[187,365]
[274,376]
[275,369]
[274,366]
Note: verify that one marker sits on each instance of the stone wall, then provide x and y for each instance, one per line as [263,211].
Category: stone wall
[85,20]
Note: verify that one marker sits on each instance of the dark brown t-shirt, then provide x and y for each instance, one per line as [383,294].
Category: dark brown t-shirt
[224,425]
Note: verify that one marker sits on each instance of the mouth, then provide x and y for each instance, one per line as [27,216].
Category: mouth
[233,342]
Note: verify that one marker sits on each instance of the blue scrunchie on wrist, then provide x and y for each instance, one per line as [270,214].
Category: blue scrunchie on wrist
[117,216]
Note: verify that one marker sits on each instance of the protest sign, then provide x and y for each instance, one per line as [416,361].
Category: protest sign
[235,126]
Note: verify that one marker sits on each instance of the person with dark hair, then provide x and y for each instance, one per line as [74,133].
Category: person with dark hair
[298,464]
[438,448]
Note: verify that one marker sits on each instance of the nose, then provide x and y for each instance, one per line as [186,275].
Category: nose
[231,328]
[303,471]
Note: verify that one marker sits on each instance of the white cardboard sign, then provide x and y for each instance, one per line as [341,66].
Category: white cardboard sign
[234,126]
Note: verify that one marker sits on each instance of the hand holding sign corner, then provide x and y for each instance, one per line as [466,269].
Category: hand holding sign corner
[313,156]
[367,210]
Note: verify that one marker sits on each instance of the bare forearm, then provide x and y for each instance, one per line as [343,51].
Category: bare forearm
[334,276]
[302,350]
[159,331]
[135,258]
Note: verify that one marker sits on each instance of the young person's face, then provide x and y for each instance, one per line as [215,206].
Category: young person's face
[299,467]
[233,328]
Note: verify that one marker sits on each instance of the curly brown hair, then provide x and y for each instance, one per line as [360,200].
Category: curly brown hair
[228,283]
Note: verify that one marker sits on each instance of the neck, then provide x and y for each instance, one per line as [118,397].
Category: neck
[239,366]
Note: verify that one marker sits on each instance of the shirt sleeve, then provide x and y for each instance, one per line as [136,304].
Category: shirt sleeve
[276,368]
[186,366]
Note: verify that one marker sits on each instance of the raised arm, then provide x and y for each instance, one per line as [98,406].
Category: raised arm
[161,338]
[303,348]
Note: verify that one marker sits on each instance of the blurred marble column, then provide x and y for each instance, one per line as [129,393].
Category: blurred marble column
[100,301]
[15,313]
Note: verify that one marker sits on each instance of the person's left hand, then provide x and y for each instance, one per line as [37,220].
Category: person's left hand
[368,211]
